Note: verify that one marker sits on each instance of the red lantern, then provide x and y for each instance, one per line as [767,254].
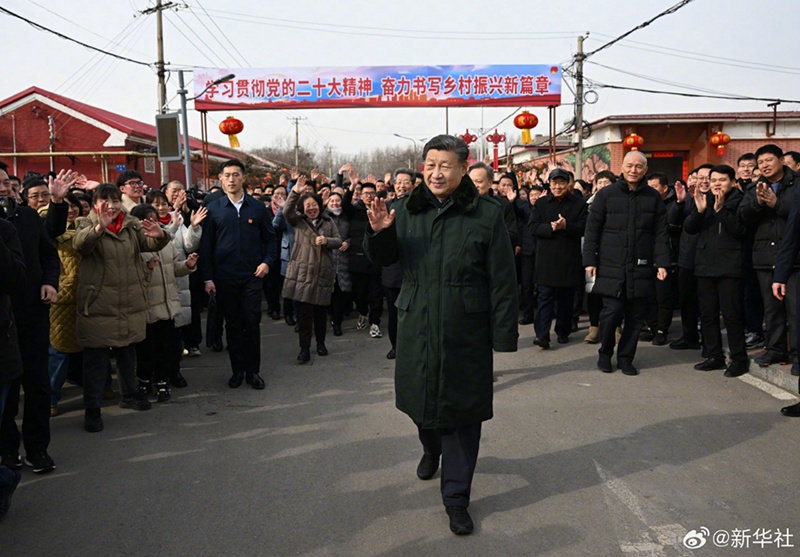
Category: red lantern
[720,140]
[633,142]
[230,126]
[525,122]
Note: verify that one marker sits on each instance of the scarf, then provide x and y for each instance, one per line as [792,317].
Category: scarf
[166,219]
[116,225]
[337,211]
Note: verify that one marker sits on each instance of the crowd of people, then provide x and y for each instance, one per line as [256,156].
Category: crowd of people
[97,279]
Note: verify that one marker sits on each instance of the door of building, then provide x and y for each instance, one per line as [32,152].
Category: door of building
[671,163]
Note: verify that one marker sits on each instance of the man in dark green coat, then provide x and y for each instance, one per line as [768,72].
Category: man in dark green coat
[458,302]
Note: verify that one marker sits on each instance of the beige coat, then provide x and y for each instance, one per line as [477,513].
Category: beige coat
[163,300]
[186,240]
[111,301]
[310,273]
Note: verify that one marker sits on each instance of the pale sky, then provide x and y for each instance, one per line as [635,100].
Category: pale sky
[730,47]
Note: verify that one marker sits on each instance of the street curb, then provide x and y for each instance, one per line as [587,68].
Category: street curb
[780,376]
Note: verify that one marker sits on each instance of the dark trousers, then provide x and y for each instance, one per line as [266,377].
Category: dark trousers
[687,288]
[339,301]
[273,285]
[391,298]
[241,304]
[459,450]
[726,294]
[659,317]
[6,475]
[158,356]
[558,301]
[368,295]
[192,334]
[594,304]
[633,311]
[778,340]
[527,264]
[34,343]
[311,316]
[753,304]
[96,362]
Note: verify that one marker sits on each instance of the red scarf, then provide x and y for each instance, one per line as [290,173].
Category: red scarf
[116,225]
[166,219]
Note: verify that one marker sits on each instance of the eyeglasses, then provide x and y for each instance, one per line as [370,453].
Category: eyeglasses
[135,184]
[43,195]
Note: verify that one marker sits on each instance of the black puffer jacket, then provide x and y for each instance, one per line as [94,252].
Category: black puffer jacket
[558,261]
[626,239]
[12,279]
[359,221]
[770,221]
[720,237]
[676,216]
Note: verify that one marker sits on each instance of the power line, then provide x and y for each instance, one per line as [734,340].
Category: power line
[399,34]
[438,32]
[694,95]
[191,42]
[702,57]
[212,34]
[668,11]
[221,32]
[56,33]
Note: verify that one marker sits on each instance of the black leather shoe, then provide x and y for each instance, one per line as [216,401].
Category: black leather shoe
[289,318]
[427,467]
[646,335]
[604,363]
[178,381]
[526,321]
[683,344]
[562,340]
[236,380]
[792,411]
[710,364]
[627,367]
[321,350]
[737,369]
[460,521]
[304,355]
[216,346]
[93,420]
[660,339]
[391,355]
[543,342]
[255,381]
[275,315]
[337,330]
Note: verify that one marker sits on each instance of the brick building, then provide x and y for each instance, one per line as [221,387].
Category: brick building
[94,142]
[673,143]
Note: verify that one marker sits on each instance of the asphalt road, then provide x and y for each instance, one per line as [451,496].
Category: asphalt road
[575,462]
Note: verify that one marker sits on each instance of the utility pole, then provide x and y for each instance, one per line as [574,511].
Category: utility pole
[579,57]
[162,74]
[296,120]
[330,160]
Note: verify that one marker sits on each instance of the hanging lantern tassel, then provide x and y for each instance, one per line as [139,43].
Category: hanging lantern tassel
[230,126]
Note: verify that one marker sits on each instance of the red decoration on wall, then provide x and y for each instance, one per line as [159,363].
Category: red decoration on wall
[720,140]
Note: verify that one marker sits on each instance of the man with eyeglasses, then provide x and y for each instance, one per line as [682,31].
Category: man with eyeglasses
[131,185]
[626,241]
[237,249]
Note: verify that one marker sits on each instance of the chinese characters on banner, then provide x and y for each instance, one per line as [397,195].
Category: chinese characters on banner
[378,86]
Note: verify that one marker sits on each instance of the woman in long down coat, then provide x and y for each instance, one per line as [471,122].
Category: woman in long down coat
[111,300]
[310,275]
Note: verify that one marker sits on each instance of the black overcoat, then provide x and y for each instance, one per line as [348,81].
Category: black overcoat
[558,257]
